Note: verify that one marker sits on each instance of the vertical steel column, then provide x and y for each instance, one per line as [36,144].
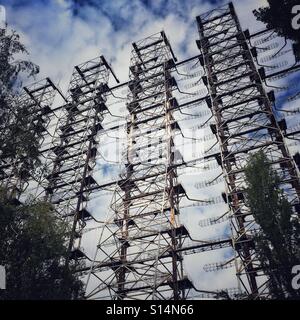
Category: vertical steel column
[245,123]
[73,150]
[140,255]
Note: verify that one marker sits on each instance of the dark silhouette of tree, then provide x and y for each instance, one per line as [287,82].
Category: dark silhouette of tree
[32,238]
[18,138]
[278,242]
[33,247]
[278,16]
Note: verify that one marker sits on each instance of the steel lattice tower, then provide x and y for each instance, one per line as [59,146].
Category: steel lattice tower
[74,146]
[143,242]
[245,122]
[146,200]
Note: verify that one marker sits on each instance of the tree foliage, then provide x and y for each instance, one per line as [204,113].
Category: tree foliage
[18,139]
[33,250]
[278,16]
[32,239]
[278,242]
[10,65]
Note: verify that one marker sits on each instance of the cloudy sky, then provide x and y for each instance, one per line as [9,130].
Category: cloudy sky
[62,33]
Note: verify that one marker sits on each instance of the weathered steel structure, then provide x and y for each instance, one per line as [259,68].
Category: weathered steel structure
[143,242]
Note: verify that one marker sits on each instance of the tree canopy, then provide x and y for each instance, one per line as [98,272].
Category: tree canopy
[33,247]
[18,139]
[33,240]
[278,16]
[278,242]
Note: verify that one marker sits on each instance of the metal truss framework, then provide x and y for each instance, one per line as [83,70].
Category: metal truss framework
[70,159]
[74,150]
[244,123]
[146,200]
[68,152]
[141,249]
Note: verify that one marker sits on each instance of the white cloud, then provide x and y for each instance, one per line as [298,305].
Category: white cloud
[58,40]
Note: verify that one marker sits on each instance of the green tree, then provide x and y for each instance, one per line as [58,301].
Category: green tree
[32,238]
[18,138]
[278,242]
[33,247]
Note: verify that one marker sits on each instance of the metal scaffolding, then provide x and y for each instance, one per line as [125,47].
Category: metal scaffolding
[146,201]
[142,241]
[70,156]
[245,122]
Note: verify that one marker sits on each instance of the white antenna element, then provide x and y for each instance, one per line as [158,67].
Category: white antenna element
[2,17]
